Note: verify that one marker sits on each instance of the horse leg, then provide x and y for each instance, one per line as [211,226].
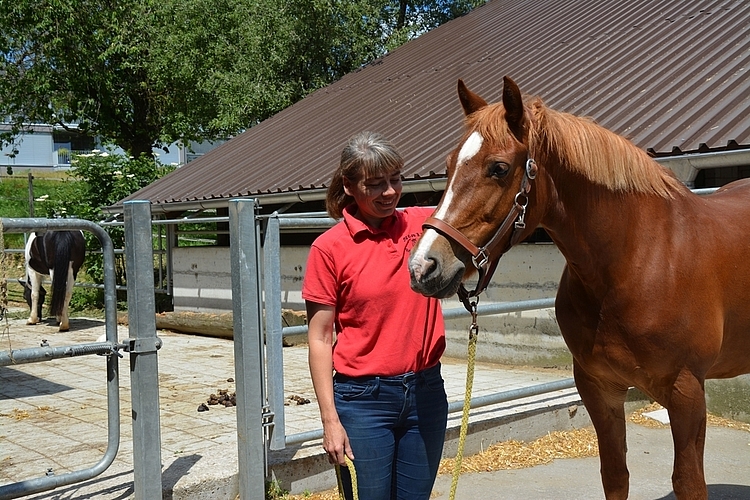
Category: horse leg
[35,284]
[605,403]
[69,282]
[687,417]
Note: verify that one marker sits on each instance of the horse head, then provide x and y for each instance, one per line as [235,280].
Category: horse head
[483,210]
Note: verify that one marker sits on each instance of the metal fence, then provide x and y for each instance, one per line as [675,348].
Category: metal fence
[142,346]
[256,286]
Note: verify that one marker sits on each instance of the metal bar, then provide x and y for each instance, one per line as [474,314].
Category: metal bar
[513,394]
[501,308]
[459,312]
[37,485]
[248,346]
[48,353]
[457,406]
[307,223]
[144,370]
[31,194]
[274,340]
[171,243]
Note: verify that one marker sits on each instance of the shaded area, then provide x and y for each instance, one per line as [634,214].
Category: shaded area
[721,492]
[16,384]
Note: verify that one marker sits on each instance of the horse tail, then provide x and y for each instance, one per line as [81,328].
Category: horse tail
[61,247]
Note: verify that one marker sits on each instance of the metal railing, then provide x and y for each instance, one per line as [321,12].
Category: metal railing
[142,345]
[46,353]
[275,332]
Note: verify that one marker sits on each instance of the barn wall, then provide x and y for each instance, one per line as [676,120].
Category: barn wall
[202,281]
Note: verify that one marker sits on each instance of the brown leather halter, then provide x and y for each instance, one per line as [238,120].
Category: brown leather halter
[485,258]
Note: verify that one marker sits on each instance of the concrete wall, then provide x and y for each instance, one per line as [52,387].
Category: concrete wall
[202,283]
[202,280]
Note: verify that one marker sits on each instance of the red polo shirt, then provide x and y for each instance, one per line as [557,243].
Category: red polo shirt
[383,327]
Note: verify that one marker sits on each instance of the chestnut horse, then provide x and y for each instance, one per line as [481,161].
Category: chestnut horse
[656,289]
[58,254]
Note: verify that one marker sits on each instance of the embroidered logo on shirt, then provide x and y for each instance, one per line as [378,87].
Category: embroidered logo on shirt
[409,240]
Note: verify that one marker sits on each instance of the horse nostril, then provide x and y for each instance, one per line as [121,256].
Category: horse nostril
[421,268]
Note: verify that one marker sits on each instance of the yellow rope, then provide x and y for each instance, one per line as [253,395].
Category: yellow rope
[472,351]
[4,288]
[352,473]
[470,362]
[3,275]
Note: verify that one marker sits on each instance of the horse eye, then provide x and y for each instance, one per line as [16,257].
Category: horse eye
[498,169]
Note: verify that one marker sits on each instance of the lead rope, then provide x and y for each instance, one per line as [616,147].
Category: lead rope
[471,357]
[472,350]
[352,473]
[4,290]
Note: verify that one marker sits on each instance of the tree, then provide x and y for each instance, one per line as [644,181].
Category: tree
[146,73]
[99,179]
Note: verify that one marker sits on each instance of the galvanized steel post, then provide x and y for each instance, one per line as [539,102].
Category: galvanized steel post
[274,330]
[143,345]
[244,249]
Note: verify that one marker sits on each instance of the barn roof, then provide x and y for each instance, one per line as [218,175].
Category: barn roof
[671,75]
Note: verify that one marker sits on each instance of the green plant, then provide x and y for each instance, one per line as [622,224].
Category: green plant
[99,179]
[274,491]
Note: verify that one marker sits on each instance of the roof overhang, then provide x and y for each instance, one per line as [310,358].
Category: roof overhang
[685,166]
[435,184]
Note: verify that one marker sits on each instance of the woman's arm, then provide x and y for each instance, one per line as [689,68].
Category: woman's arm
[320,338]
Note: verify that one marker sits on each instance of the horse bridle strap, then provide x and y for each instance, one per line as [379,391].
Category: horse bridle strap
[485,258]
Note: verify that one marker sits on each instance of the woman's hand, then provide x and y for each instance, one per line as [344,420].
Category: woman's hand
[336,443]
[320,336]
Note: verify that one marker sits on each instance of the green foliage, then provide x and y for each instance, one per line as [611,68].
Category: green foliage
[100,179]
[274,491]
[146,73]
[14,200]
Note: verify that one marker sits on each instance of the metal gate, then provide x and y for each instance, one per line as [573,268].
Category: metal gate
[142,346]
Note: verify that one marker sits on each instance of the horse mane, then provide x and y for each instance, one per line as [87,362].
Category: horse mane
[584,147]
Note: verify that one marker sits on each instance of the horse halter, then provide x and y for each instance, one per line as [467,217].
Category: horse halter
[485,258]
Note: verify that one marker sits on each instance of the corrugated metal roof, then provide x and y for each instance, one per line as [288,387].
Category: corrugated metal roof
[671,75]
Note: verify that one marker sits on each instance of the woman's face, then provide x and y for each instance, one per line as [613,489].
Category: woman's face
[376,197]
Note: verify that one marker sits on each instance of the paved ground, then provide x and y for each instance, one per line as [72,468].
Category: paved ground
[650,458]
[53,416]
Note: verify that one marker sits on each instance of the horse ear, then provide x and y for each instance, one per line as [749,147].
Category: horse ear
[513,102]
[469,100]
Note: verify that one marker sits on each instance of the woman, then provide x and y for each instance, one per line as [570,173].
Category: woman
[375,345]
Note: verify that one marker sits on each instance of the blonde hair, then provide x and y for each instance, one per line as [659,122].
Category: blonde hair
[365,154]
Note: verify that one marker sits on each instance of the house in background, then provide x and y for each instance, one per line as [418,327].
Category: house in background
[51,147]
[673,76]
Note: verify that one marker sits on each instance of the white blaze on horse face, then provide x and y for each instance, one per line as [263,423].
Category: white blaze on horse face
[470,148]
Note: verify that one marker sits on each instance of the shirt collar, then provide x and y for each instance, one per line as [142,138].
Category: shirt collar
[357,226]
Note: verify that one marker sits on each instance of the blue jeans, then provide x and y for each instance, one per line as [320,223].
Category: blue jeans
[396,428]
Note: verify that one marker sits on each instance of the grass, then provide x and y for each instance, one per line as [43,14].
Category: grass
[14,197]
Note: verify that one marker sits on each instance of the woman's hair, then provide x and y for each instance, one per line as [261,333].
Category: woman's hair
[367,154]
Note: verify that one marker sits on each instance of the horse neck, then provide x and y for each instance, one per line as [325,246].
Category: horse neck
[592,224]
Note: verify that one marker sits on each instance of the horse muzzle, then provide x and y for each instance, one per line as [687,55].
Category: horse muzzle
[434,273]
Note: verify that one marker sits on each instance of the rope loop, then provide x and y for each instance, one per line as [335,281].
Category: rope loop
[352,474]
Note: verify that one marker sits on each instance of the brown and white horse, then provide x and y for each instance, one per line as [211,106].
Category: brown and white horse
[59,255]
[656,290]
